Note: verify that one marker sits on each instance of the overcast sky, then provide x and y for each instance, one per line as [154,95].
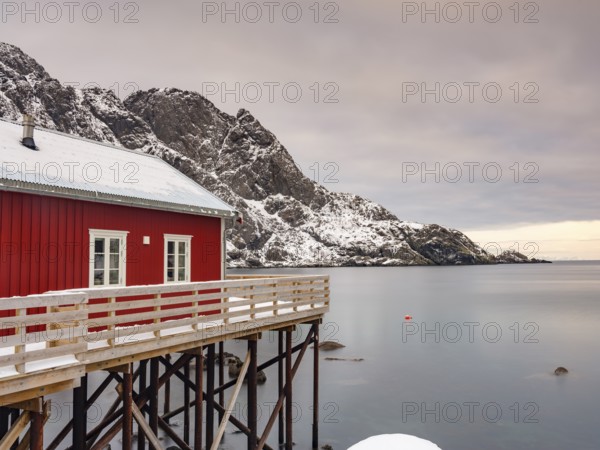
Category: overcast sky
[481,116]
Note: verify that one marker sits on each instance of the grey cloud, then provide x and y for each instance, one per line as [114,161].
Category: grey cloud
[371,131]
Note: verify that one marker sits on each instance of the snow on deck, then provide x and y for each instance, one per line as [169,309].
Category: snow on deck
[124,335]
[128,333]
[35,366]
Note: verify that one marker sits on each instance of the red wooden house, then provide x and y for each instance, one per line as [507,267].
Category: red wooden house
[75,213]
[86,220]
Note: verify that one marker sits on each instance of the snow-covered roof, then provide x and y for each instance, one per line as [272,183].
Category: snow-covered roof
[68,166]
[394,442]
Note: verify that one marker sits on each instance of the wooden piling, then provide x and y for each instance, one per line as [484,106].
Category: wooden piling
[80,414]
[221,376]
[141,439]
[186,404]
[127,398]
[153,398]
[280,384]
[252,395]
[167,392]
[199,400]
[288,391]
[210,395]
[36,431]
[315,424]
[4,416]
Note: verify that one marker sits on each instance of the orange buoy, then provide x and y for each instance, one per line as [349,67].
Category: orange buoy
[407,317]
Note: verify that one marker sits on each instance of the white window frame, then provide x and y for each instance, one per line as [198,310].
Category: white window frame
[109,234]
[177,238]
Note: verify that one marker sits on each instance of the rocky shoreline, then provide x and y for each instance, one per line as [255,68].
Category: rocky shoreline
[507,257]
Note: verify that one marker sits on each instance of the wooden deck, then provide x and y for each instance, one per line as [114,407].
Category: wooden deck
[86,330]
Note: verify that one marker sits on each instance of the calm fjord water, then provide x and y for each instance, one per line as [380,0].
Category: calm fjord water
[472,370]
[449,375]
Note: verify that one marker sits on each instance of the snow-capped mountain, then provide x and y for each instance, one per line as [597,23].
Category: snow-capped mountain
[289,220]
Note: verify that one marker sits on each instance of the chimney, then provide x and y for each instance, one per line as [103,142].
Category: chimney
[239,218]
[28,127]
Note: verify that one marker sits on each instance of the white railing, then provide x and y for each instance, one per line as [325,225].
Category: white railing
[50,340]
[100,326]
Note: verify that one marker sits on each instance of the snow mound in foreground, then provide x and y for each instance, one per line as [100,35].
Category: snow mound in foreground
[394,442]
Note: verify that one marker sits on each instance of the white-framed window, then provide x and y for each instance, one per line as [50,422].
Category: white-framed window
[108,252]
[177,258]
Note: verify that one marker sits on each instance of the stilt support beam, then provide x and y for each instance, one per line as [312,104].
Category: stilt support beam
[221,376]
[141,441]
[127,397]
[153,398]
[288,391]
[198,400]
[280,385]
[145,428]
[232,400]
[315,424]
[252,396]
[18,425]
[80,414]
[36,431]
[186,404]
[210,395]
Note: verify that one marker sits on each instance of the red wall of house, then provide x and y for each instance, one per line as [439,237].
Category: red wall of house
[44,242]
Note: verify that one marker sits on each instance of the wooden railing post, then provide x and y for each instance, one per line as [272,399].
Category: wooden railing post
[252,305]
[195,314]
[295,299]
[157,319]
[275,310]
[111,328]
[78,330]
[225,308]
[20,330]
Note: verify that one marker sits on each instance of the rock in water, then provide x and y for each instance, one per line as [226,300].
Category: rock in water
[345,359]
[235,367]
[330,345]
[261,377]
[560,371]
[394,442]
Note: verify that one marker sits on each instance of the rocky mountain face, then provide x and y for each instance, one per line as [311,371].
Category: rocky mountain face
[289,220]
